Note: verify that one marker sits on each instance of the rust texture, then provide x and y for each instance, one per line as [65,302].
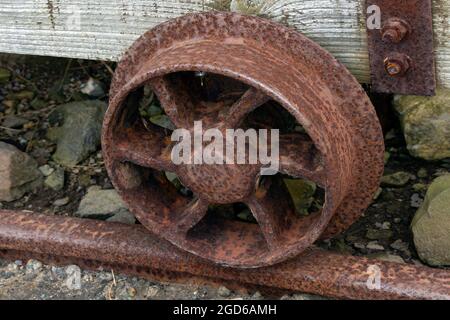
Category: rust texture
[342,151]
[134,250]
[406,31]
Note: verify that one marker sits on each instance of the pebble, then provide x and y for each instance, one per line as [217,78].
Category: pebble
[132,292]
[46,170]
[374,245]
[377,193]
[400,246]
[359,245]
[382,234]
[224,292]
[419,187]
[33,265]
[422,173]
[384,226]
[416,200]
[55,180]
[152,291]
[397,179]
[61,202]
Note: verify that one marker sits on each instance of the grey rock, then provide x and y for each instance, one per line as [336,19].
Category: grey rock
[33,265]
[55,180]
[80,133]
[374,245]
[14,122]
[123,216]
[374,234]
[426,124]
[224,292]
[46,170]
[93,88]
[400,245]
[384,256]
[301,192]
[416,200]
[422,173]
[19,173]
[102,203]
[163,121]
[61,202]
[431,224]
[397,179]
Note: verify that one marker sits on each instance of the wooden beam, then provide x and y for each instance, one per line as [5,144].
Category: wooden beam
[104,29]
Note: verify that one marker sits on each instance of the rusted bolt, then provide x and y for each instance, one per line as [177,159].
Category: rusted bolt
[397,64]
[395,30]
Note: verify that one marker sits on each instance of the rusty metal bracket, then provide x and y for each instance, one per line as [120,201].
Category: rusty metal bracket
[400,41]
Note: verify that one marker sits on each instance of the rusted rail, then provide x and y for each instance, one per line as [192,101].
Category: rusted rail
[133,249]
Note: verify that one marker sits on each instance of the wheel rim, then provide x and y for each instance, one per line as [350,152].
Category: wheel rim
[276,63]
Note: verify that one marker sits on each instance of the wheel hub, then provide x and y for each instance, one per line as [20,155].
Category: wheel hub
[217,183]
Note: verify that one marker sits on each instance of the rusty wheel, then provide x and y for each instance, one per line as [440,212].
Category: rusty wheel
[342,151]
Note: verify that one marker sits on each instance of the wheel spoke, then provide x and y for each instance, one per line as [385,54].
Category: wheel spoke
[299,158]
[272,208]
[175,100]
[190,216]
[150,149]
[249,101]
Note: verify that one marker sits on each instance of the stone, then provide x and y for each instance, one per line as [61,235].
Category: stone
[377,193]
[374,234]
[431,224]
[80,133]
[33,265]
[152,291]
[55,180]
[374,245]
[162,120]
[246,215]
[384,256]
[37,104]
[5,75]
[23,95]
[426,124]
[14,122]
[123,216]
[302,192]
[101,203]
[416,200]
[61,202]
[224,292]
[419,187]
[397,179]
[46,170]
[19,173]
[93,88]
[400,245]
[422,173]
[387,156]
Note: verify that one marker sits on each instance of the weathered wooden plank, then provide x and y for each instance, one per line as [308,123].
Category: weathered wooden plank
[103,29]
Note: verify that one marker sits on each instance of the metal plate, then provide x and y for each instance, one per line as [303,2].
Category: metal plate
[419,79]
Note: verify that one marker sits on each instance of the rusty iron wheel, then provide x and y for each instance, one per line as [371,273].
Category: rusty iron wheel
[342,152]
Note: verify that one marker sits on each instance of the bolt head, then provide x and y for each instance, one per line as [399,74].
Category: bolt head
[394,30]
[397,64]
